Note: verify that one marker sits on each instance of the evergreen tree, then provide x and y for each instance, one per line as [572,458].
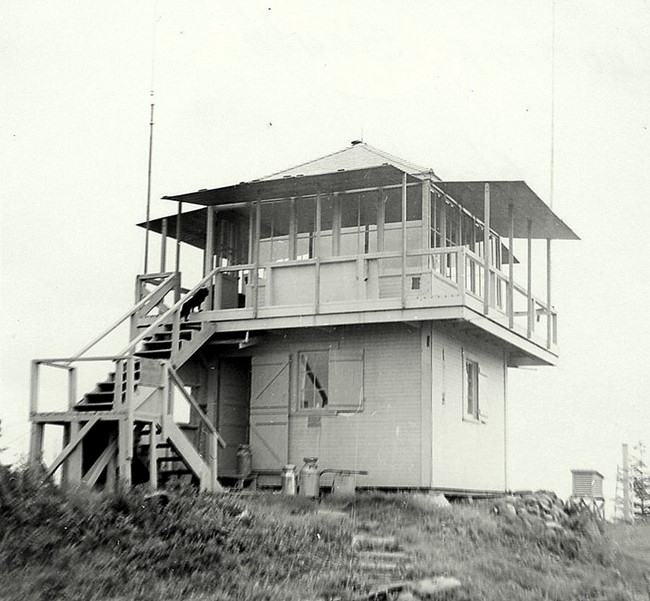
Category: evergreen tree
[640,483]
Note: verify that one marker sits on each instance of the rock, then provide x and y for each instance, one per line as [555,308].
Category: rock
[406,596]
[427,502]
[430,587]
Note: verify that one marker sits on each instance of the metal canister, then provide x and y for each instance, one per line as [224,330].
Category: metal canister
[309,478]
[344,484]
[288,480]
[244,460]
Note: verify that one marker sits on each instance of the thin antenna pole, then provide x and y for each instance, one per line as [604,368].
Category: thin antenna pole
[552,102]
[146,239]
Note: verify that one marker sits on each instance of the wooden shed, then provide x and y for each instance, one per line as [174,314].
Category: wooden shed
[356,308]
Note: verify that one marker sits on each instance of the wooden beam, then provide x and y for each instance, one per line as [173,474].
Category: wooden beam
[75,461]
[425,239]
[486,250]
[293,230]
[71,446]
[33,387]
[549,318]
[511,268]
[153,458]
[529,282]
[208,253]
[124,453]
[36,444]
[256,272]
[93,474]
[336,224]
[163,247]
[177,267]
[381,220]
[317,249]
[404,190]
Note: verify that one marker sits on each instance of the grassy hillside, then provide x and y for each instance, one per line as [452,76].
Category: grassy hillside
[264,546]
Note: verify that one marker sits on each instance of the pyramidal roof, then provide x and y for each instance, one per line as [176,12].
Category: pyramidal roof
[357,156]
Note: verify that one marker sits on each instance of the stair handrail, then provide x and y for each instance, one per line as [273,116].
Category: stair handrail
[122,319]
[165,316]
[192,401]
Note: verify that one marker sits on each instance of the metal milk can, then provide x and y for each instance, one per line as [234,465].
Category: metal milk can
[244,460]
[288,479]
[309,478]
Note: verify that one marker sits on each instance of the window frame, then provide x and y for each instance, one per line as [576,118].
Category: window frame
[473,416]
[334,405]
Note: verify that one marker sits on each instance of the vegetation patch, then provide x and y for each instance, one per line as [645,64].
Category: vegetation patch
[191,546]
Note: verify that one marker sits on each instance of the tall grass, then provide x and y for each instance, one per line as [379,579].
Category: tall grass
[82,545]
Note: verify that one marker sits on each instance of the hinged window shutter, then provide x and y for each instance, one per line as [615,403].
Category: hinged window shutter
[483,405]
[346,380]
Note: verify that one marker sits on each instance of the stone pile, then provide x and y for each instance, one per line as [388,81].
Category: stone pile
[534,508]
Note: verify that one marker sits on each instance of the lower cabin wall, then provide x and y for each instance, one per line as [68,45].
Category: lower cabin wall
[384,438]
[467,454]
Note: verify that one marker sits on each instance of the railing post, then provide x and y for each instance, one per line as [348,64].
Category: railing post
[460,271]
[256,272]
[529,284]
[317,285]
[153,458]
[124,452]
[119,381]
[176,332]
[361,278]
[217,298]
[72,387]
[177,268]
[549,320]
[486,250]
[163,247]
[511,268]
[268,289]
[404,189]
[33,387]
[165,401]
[36,444]
[214,444]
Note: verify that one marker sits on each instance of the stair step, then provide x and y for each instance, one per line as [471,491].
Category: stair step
[185,325]
[99,397]
[158,345]
[94,407]
[106,386]
[161,336]
[145,354]
[168,459]
[364,541]
[384,555]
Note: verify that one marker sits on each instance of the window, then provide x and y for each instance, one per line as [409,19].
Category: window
[472,389]
[314,376]
[330,380]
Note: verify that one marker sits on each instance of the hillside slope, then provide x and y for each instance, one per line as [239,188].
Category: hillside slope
[265,546]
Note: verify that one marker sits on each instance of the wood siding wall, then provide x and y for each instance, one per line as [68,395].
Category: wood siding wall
[467,454]
[385,438]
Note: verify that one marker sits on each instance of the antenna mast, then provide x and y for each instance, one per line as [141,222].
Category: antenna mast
[146,239]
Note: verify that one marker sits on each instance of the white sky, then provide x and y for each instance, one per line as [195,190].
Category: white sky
[246,89]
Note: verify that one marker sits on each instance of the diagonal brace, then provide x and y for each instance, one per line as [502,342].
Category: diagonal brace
[98,467]
[71,446]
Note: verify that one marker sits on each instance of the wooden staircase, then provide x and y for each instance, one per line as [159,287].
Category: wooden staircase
[123,430]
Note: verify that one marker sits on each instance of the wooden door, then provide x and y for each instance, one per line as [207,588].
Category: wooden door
[269,417]
[234,392]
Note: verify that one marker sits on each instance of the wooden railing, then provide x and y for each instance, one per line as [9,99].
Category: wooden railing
[384,275]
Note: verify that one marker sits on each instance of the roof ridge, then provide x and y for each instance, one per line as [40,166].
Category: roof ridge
[325,156]
[392,157]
